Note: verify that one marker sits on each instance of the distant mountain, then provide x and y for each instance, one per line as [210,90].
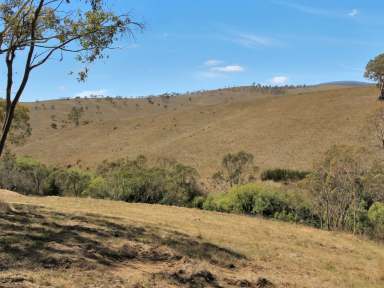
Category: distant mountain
[347,83]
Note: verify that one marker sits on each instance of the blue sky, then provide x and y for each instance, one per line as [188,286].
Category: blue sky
[205,44]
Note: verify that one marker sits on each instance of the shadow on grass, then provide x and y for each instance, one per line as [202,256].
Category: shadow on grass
[33,237]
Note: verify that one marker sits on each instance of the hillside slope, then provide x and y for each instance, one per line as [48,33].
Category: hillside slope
[67,242]
[289,130]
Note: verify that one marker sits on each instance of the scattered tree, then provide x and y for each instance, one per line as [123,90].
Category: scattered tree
[34,31]
[236,169]
[336,186]
[375,72]
[75,115]
[75,181]
[34,172]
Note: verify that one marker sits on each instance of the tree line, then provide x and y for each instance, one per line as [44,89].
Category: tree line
[342,192]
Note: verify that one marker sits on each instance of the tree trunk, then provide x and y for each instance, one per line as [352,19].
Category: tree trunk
[6,129]
[381,93]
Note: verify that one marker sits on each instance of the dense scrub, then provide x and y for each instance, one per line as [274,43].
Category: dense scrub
[283,175]
[264,200]
[168,182]
[341,193]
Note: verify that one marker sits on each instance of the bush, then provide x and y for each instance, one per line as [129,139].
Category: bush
[168,183]
[23,174]
[30,175]
[376,217]
[7,168]
[283,175]
[337,187]
[198,202]
[97,188]
[74,181]
[52,186]
[263,200]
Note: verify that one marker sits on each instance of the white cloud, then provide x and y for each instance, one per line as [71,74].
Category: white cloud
[252,40]
[228,69]
[279,80]
[212,62]
[353,13]
[214,68]
[88,93]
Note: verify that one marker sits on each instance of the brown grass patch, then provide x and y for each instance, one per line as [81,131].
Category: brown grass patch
[287,131]
[87,243]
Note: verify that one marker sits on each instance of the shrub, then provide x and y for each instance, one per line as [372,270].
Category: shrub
[257,199]
[30,175]
[169,183]
[97,188]
[52,185]
[198,202]
[263,200]
[376,217]
[7,169]
[74,181]
[283,175]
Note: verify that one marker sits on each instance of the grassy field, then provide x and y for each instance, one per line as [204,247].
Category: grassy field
[67,242]
[288,131]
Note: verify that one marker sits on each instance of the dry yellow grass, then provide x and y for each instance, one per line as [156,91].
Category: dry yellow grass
[235,249]
[288,130]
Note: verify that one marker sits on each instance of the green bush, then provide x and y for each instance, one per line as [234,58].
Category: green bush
[376,217]
[283,175]
[7,169]
[30,175]
[74,181]
[168,182]
[97,188]
[52,185]
[198,202]
[263,200]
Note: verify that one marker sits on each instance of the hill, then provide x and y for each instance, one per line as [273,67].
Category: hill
[68,242]
[287,130]
[347,83]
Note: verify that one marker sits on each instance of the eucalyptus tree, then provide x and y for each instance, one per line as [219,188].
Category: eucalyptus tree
[375,71]
[35,31]
[236,169]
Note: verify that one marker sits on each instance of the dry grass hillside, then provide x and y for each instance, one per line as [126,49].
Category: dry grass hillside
[288,131]
[68,242]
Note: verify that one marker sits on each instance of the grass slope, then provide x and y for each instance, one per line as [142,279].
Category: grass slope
[66,242]
[289,130]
